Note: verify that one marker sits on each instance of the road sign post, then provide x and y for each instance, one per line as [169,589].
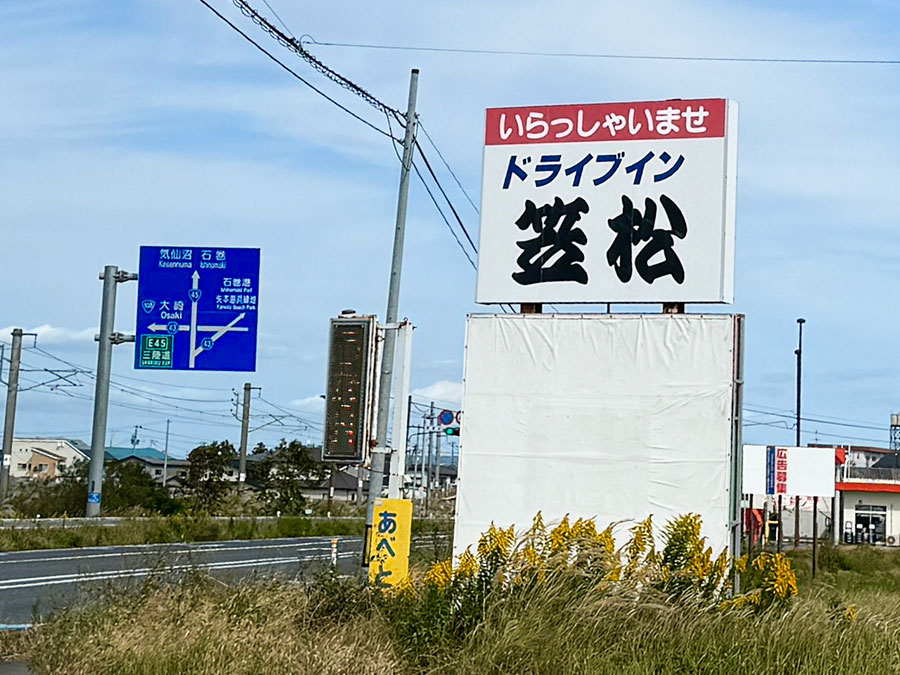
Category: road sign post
[197,308]
[111,276]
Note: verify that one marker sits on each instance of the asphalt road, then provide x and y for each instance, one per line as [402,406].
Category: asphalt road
[34,583]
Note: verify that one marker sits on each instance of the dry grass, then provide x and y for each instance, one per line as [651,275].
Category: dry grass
[842,623]
[202,627]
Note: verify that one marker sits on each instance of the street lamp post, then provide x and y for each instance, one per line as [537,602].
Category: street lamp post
[799,353]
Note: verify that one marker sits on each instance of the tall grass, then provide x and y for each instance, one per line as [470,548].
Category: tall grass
[561,620]
[203,627]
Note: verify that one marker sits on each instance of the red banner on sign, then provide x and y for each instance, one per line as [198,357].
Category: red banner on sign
[649,120]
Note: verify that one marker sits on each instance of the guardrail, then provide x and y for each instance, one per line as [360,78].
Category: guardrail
[113,521]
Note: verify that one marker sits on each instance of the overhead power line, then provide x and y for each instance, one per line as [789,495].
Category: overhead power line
[292,72]
[444,217]
[446,198]
[593,55]
[447,166]
[297,47]
[817,420]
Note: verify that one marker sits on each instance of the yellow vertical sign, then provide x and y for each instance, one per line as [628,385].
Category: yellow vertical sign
[389,547]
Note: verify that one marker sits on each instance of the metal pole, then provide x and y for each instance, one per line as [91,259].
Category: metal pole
[376,475]
[430,428]
[101,390]
[780,524]
[245,432]
[437,462]
[837,516]
[799,353]
[750,530]
[166,457]
[12,392]
[330,487]
[815,534]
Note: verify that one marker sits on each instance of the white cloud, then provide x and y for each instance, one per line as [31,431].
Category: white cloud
[441,392]
[312,404]
[48,335]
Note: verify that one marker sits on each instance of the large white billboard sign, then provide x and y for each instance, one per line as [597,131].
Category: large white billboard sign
[779,470]
[612,417]
[612,202]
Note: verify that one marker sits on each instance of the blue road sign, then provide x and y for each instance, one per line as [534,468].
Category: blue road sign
[204,302]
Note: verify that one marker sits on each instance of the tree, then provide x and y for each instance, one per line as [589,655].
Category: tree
[206,473]
[281,474]
[127,488]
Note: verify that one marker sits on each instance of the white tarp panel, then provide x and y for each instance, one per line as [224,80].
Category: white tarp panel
[613,417]
[807,472]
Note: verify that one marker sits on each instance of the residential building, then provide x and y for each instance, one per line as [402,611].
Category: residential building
[45,457]
[346,486]
[153,462]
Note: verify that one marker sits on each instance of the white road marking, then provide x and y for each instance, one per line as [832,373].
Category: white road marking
[169,549]
[56,579]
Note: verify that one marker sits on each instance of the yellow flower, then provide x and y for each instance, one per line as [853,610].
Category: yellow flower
[560,536]
[440,574]
[467,566]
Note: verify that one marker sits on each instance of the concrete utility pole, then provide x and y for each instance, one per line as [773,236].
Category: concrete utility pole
[106,339]
[245,433]
[12,392]
[166,458]
[376,475]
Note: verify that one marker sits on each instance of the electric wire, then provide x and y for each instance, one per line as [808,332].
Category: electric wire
[446,198]
[289,70]
[275,14]
[297,47]
[817,420]
[590,55]
[447,166]
[444,217]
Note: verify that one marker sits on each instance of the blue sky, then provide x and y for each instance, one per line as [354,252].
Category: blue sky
[151,122]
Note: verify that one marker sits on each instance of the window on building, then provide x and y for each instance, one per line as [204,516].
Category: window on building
[22,466]
[157,472]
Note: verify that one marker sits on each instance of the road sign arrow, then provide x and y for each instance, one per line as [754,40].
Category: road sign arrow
[195,296]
